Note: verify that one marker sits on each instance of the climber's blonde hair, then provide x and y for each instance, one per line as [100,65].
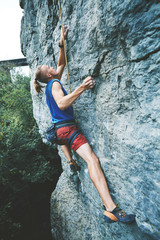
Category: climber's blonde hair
[39,77]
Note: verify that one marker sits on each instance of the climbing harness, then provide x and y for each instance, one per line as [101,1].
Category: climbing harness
[51,135]
[65,124]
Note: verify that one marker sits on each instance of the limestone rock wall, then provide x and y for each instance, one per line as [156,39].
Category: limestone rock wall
[117,42]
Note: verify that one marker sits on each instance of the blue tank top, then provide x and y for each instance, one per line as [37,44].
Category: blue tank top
[57,114]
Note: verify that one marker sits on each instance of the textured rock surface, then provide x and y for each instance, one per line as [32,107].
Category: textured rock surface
[118,42]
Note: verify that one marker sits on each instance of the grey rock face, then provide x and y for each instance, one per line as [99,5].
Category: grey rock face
[118,42]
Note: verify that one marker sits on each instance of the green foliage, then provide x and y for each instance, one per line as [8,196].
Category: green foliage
[24,160]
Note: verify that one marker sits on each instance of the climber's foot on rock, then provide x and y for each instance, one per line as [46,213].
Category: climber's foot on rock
[73,166]
[118,215]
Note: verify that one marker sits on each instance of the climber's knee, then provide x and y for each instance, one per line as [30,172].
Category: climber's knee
[87,154]
[93,158]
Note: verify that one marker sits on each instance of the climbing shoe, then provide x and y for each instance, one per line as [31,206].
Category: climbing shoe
[73,166]
[118,215]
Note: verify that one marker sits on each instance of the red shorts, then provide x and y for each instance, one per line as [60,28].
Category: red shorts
[64,133]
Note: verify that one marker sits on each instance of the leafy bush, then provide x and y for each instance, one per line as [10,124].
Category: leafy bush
[29,169]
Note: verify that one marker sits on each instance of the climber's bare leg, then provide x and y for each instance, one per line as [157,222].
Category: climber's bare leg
[96,175]
[67,152]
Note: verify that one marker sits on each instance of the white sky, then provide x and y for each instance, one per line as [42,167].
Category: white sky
[10,21]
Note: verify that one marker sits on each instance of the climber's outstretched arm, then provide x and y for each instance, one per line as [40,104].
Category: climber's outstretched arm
[61,59]
[65,101]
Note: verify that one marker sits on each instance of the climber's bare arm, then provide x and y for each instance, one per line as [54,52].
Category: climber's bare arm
[61,59]
[64,102]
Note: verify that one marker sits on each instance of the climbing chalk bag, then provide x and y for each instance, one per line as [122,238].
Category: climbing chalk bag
[51,134]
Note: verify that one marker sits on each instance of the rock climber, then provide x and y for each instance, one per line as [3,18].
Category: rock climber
[69,135]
